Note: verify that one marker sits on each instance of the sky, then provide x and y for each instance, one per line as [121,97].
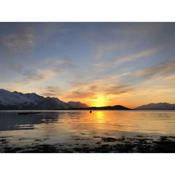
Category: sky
[96,63]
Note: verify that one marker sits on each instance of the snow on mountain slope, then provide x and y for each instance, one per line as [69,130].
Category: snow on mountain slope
[10,98]
[17,100]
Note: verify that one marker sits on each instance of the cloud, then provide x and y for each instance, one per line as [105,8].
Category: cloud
[155,83]
[20,40]
[103,48]
[41,75]
[52,91]
[117,89]
[49,70]
[80,94]
[91,93]
[163,69]
[49,29]
[135,56]
[128,58]
[106,86]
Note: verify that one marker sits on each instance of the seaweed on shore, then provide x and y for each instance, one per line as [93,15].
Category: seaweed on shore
[106,145]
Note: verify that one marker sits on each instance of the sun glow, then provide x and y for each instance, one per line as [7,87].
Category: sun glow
[100,116]
[99,101]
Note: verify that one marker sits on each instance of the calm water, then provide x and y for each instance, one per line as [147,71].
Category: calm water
[82,127]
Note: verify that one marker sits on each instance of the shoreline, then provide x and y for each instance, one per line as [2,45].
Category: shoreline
[138,144]
[58,110]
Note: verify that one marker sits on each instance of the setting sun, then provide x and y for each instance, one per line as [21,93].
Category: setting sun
[99,101]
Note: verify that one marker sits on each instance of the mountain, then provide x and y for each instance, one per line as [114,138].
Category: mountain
[31,101]
[116,107]
[74,104]
[157,106]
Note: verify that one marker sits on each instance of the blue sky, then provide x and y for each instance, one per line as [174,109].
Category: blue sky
[96,63]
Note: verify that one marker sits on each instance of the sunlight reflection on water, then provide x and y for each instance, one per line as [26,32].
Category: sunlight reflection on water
[83,126]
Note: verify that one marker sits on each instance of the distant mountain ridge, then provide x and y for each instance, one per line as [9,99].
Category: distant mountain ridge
[31,101]
[157,106]
[116,107]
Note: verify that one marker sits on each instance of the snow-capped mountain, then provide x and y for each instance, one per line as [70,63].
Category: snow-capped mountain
[17,100]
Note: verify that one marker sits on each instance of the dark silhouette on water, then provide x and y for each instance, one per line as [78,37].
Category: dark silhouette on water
[28,113]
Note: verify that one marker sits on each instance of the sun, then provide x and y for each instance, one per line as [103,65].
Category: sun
[99,101]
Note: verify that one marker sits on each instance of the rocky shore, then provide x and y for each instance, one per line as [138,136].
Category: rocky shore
[139,144]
